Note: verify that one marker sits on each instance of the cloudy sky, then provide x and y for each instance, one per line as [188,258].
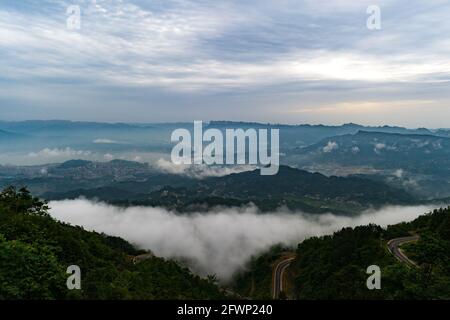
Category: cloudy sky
[292,61]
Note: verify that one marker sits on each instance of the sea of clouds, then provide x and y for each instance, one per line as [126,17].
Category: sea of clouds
[219,242]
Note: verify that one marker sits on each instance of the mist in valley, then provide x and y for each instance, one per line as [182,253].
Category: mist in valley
[221,241]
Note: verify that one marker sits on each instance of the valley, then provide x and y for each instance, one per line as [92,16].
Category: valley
[332,184]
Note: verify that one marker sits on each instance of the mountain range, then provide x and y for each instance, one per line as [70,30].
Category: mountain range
[412,161]
[132,183]
[416,162]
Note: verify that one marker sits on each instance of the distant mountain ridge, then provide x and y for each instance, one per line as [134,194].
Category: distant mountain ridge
[417,162]
[36,125]
[156,136]
[132,183]
[353,126]
[11,135]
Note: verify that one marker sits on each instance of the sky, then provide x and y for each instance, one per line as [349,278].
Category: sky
[286,61]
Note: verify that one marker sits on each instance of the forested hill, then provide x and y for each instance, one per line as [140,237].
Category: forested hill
[35,251]
[334,266]
[292,188]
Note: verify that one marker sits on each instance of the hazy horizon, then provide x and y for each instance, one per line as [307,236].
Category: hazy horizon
[168,122]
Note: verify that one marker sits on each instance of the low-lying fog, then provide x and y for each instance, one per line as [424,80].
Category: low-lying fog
[221,241]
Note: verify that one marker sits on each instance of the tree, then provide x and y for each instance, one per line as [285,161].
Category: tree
[29,272]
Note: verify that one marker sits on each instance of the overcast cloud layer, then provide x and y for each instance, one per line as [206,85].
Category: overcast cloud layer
[219,242]
[264,60]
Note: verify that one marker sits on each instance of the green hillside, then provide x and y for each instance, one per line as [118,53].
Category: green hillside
[334,267]
[35,251]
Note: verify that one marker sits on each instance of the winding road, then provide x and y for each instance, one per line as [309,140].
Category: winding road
[394,248]
[278,273]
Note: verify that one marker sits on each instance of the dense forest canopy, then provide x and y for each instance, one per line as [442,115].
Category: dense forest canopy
[335,266]
[35,251]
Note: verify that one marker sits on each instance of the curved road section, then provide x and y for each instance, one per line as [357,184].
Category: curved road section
[279,270]
[394,248]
